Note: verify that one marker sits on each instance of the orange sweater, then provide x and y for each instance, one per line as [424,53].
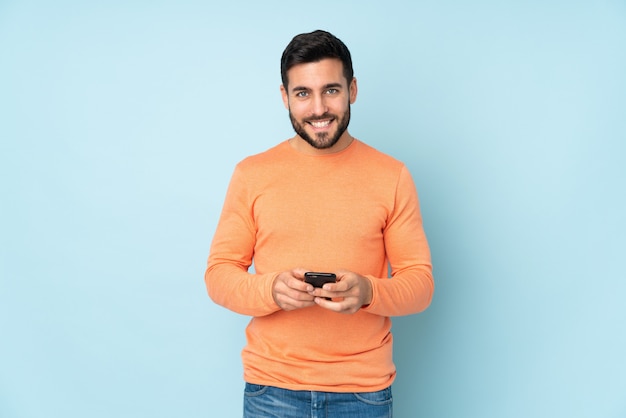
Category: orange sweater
[356,210]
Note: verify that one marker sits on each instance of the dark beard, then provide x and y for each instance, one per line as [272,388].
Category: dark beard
[323,140]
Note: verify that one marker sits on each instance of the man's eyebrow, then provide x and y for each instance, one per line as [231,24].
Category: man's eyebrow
[325,87]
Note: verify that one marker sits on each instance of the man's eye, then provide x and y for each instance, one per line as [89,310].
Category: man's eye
[301,94]
[332,91]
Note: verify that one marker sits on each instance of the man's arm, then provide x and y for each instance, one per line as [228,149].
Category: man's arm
[227,278]
[410,290]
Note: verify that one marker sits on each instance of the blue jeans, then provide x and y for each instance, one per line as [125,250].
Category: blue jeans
[271,402]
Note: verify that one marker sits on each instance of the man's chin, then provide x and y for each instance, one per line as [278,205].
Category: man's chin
[321,143]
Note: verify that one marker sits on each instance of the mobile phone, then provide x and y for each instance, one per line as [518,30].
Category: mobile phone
[319,279]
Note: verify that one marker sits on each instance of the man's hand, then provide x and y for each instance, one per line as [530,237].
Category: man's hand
[351,292]
[290,292]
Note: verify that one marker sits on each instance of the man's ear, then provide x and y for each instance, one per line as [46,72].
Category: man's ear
[353,90]
[285,96]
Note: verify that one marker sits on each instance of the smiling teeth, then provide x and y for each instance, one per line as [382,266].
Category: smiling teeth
[320,124]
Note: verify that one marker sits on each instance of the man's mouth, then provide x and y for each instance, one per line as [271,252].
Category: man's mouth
[319,124]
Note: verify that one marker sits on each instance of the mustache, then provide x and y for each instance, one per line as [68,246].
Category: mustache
[325,116]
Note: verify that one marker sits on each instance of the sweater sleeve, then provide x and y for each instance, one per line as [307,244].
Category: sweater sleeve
[410,289]
[227,278]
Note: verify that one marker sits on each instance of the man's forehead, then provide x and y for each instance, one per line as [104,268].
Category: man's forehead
[317,74]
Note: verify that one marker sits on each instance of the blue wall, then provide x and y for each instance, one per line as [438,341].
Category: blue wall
[120,125]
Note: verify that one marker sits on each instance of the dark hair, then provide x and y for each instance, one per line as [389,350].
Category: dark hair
[314,47]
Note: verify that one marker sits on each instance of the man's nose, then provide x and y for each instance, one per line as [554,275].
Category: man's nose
[318,105]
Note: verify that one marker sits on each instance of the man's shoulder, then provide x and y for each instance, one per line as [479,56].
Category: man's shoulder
[377,156]
[265,158]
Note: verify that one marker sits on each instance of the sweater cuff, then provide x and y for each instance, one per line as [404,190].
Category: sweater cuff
[373,280]
[271,303]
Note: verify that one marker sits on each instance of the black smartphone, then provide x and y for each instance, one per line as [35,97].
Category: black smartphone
[319,279]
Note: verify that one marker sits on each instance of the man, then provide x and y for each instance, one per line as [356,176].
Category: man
[321,201]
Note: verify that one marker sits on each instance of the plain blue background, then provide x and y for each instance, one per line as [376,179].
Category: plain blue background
[121,122]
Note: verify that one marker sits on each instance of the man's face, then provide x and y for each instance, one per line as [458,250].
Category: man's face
[318,98]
